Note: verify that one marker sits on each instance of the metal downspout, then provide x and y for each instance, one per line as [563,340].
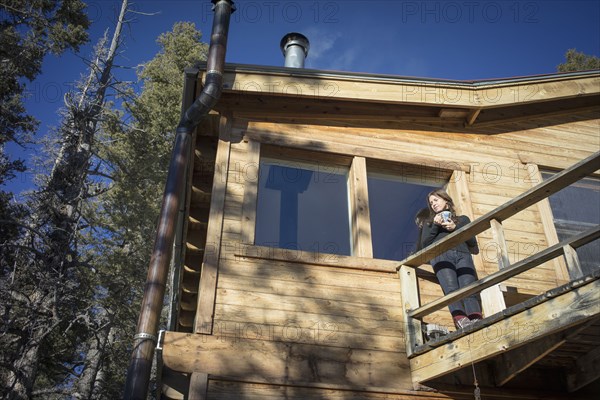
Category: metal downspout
[140,366]
[189,93]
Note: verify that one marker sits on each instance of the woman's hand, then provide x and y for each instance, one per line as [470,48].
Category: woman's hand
[447,225]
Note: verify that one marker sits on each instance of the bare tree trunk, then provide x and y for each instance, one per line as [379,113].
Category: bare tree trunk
[100,379]
[89,384]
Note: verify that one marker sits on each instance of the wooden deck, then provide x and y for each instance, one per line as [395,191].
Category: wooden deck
[546,331]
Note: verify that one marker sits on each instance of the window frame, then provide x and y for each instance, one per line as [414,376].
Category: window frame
[550,222]
[260,151]
[403,173]
[323,187]
[358,204]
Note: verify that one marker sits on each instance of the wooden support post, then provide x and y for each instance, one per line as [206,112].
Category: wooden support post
[498,235]
[473,114]
[359,209]
[410,301]
[250,193]
[562,275]
[198,386]
[210,264]
[572,260]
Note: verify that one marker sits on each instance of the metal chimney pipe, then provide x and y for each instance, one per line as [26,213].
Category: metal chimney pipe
[295,49]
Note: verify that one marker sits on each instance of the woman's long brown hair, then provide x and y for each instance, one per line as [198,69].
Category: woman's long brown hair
[441,193]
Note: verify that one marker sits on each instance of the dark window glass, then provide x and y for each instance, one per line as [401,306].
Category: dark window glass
[393,204]
[576,209]
[303,206]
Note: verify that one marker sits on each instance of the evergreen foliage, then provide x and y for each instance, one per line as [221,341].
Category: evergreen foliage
[578,61]
[30,29]
[74,258]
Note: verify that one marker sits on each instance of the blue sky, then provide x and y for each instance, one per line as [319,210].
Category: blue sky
[462,40]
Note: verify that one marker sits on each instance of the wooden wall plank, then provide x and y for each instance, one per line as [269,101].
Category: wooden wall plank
[321,333]
[312,305]
[310,290]
[333,143]
[318,258]
[375,324]
[299,273]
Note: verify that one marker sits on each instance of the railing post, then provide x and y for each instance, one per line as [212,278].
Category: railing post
[572,260]
[498,235]
[410,301]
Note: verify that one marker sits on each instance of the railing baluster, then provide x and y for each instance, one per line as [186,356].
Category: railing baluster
[410,301]
[572,260]
[498,235]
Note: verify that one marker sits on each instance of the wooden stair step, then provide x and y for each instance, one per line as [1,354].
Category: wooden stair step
[197,238]
[191,249]
[200,196]
[205,150]
[194,261]
[200,211]
[186,319]
[175,385]
[190,286]
[195,224]
[188,301]
[188,270]
[203,167]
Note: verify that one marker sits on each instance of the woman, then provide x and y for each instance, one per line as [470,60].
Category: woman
[453,268]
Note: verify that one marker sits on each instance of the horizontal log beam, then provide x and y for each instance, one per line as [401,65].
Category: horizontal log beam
[246,79]
[245,355]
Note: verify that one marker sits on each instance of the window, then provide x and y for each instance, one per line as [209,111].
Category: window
[394,200]
[303,205]
[576,209]
[317,202]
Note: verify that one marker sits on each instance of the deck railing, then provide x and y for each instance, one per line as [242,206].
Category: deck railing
[414,313]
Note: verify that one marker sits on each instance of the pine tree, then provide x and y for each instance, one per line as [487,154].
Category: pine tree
[30,29]
[50,284]
[578,61]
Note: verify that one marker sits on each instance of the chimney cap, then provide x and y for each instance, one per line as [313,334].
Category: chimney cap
[294,38]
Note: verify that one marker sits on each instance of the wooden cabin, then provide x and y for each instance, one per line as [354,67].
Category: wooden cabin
[296,273]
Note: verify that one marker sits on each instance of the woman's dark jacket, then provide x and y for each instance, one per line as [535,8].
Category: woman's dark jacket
[432,233]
